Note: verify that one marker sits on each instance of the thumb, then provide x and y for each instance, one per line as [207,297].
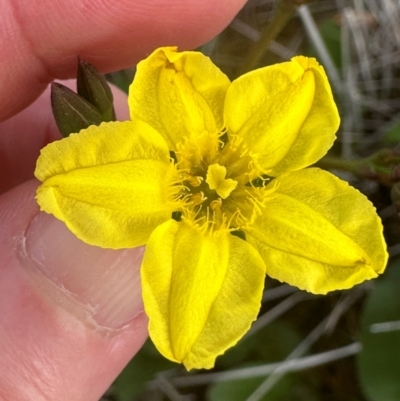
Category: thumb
[71,314]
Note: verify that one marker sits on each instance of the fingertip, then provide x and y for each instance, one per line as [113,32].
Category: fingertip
[52,343]
[49,35]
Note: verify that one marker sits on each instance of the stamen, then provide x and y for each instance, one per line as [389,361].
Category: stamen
[217,184]
[216,204]
[195,181]
[198,199]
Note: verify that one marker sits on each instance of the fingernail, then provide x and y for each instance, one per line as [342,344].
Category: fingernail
[105,282]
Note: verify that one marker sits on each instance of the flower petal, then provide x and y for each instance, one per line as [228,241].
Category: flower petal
[285,113]
[201,292]
[109,184]
[318,233]
[179,94]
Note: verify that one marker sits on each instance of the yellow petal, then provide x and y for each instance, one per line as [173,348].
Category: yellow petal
[285,113]
[318,233]
[201,292]
[179,94]
[109,184]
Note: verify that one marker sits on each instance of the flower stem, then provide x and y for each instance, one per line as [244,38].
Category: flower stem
[285,9]
[336,163]
[383,166]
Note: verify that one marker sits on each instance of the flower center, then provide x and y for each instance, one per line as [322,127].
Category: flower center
[217,191]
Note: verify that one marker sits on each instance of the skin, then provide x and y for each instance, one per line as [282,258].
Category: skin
[71,315]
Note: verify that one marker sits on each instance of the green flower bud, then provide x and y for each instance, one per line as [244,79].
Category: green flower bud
[71,111]
[94,88]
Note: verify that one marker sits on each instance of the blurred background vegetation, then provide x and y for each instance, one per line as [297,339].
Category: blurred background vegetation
[344,346]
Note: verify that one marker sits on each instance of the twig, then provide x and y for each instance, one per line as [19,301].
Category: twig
[293,365]
[277,311]
[384,327]
[285,9]
[168,389]
[347,300]
[320,47]
[278,292]
[301,349]
[247,30]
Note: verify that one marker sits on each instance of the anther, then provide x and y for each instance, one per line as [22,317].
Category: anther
[195,180]
[198,199]
[216,204]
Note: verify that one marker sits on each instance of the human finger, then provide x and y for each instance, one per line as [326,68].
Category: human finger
[71,315]
[41,40]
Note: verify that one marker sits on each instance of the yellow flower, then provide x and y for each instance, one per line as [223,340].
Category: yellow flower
[209,174]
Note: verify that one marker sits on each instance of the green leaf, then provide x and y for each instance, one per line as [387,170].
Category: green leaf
[392,136]
[93,87]
[71,111]
[379,361]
